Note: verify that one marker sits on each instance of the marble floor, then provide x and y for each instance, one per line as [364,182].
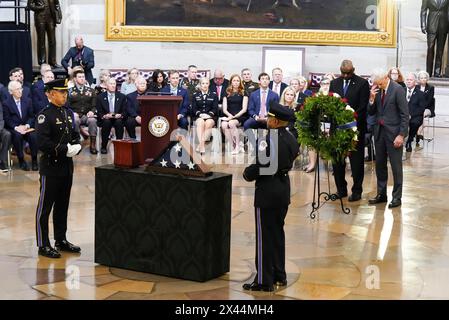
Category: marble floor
[372,253]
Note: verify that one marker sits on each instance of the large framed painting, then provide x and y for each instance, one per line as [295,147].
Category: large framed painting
[318,22]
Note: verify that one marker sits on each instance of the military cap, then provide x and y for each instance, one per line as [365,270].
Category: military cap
[280,112]
[58,84]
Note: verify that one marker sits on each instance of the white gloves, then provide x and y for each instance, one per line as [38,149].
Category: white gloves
[72,150]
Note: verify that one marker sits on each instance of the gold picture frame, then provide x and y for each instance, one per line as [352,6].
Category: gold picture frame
[384,36]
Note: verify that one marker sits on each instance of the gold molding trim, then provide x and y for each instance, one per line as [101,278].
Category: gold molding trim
[117,30]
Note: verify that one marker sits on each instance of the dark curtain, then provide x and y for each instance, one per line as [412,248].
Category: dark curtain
[15,51]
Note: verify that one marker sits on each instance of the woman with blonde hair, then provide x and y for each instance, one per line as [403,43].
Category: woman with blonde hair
[129,85]
[205,112]
[235,106]
[288,99]
[104,76]
[300,85]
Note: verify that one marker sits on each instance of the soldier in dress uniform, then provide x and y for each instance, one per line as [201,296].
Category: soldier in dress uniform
[248,83]
[272,198]
[59,142]
[191,82]
[82,100]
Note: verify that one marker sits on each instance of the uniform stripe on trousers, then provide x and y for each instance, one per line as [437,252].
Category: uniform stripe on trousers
[259,246]
[39,212]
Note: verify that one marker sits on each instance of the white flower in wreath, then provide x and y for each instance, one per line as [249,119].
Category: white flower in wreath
[348,107]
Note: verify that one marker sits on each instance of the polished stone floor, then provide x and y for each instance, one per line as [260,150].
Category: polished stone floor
[372,253]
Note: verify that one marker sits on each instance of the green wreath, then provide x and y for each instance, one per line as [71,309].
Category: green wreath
[328,125]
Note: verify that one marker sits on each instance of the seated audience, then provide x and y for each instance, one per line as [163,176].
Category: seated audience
[104,76]
[158,81]
[259,102]
[429,93]
[133,107]
[219,84]
[82,101]
[235,106]
[40,100]
[276,84]
[288,99]
[416,106]
[19,120]
[248,82]
[177,90]
[191,82]
[5,142]
[205,112]
[111,110]
[16,74]
[129,86]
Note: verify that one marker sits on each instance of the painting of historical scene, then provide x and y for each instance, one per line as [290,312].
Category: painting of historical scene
[353,15]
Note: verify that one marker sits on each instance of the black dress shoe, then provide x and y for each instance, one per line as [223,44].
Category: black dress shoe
[104,151]
[395,203]
[3,167]
[280,283]
[378,199]
[257,287]
[408,149]
[354,197]
[64,245]
[34,166]
[49,252]
[341,195]
[23,165]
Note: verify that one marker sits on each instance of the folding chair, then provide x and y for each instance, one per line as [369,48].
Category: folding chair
[429,129]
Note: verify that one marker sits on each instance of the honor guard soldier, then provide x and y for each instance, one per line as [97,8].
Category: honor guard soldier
[59,142]
[272,198]
[191,82]
[248,83]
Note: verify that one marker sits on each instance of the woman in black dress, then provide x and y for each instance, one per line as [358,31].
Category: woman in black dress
[235,106]
[158,81]
[288,99]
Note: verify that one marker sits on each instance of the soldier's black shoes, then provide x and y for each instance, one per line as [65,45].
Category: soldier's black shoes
[395,203]
[355,197]
[257,287]
[280,283]
[104,151]
[378,199]
[341,195]
[49,252]
[64,245]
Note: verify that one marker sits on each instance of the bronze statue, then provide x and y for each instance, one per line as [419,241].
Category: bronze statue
[47,14]
[434,23]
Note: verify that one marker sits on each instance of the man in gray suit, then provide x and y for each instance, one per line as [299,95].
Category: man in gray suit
[434,23]
[388,104]
[5,142]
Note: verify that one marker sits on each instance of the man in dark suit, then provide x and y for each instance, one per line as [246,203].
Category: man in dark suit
[434,23]
[356,90]
[416,106]
[219,84]
[276,84]
[81,56]
[16,74]
[176,90]
[47,14]
[259,104]
[40,100]
[133,118]
[19,120]
[388,103]
[111,109]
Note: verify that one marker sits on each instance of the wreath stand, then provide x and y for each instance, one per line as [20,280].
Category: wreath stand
[317,193]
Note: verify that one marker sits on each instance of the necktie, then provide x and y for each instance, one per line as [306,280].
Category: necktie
[218,92]
[19,108]
[409,94]
[345,87]
[383,97]
[263,105]
[276,88]
[111,103]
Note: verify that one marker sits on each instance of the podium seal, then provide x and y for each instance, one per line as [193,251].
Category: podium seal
[158,126]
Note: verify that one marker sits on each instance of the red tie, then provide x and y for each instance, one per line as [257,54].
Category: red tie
[218,92]
[383,97]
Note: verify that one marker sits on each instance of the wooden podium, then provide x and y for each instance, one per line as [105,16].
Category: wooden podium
[159,119]
[127,153]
